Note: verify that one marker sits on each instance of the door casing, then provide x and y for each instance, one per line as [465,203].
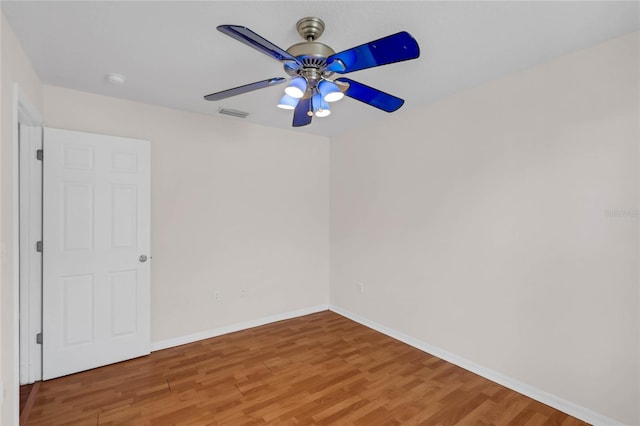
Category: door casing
[30,259]
[24,112]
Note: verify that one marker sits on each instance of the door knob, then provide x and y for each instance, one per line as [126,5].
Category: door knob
[142,258]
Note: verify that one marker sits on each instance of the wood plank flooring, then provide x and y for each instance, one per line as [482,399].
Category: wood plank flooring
[28,395]
[25,391]
[319,369]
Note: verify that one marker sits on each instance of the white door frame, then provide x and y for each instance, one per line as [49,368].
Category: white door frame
[25,112]
[30,223]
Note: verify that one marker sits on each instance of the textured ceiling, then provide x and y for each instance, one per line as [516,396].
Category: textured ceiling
[172,54]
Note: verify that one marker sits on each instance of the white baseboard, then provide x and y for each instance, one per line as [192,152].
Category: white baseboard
[520,387]
[190,338]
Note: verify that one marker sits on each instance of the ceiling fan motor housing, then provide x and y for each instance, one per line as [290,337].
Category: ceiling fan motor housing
[312,54]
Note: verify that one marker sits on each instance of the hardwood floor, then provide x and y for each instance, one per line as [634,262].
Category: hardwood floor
[25,391]
[318,369]
[28,395]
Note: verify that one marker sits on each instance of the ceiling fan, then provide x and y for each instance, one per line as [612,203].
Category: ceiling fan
[312,66]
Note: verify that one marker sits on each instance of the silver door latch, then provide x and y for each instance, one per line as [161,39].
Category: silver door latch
[142,258]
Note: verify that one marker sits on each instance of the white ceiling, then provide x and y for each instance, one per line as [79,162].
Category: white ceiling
[172,54]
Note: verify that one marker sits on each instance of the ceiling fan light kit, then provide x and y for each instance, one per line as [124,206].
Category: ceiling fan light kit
[320,106]
[297,87]
[330,91]
[312,66]
[288,102]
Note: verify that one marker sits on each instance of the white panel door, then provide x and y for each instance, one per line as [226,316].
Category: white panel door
[96,238]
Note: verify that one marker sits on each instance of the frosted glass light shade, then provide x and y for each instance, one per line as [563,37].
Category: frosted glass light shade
[316,100]
[296,87]
[323,112]
[320,106]
[330,91]
[288,102]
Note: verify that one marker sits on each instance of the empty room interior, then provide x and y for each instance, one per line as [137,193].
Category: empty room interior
[320,212]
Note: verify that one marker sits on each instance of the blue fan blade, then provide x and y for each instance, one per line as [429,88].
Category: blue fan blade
[394,48]
[371,96]
[244,89]
[248,37]
[300,116]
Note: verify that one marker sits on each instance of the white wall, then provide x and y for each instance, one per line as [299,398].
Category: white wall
[479,225]
[234,206]
[15,67]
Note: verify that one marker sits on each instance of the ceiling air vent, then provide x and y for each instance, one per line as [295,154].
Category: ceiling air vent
[233,112]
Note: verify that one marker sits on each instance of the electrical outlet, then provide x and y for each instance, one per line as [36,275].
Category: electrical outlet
[217,295]
[361,287]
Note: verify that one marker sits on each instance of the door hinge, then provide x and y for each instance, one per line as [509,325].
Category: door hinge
[39,246]
[39,154]
[39,338]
